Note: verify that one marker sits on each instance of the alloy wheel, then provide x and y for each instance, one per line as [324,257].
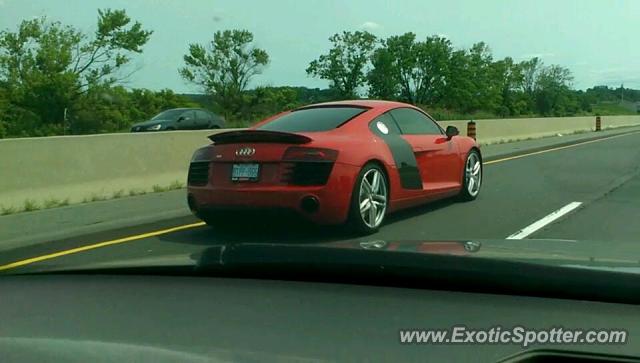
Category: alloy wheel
[373,198]
[473,174]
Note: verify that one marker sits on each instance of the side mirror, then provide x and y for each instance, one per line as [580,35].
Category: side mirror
[451,131]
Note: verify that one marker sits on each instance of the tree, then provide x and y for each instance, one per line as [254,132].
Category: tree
[552,92]
[114,109]
[530,71]
[145,103]
[416,71]
[509,80]
[47,66]
[266,101]
[345,66]
[474,82]
[486,90]
[225,67]
[432,66]
[4,108]
[101,109]
[383,77]
[402,61]
[50,48]
[459,87]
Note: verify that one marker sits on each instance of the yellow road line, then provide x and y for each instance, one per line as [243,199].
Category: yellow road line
[189,226]
[98,245]
[557,148]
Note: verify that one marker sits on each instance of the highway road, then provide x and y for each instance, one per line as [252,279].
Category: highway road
[586,191]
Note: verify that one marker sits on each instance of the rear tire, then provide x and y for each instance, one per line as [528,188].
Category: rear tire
[369,200]
[471,176]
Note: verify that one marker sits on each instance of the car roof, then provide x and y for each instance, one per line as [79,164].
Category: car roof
[363,103]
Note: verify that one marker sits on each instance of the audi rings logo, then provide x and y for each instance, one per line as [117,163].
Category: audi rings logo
[245,151]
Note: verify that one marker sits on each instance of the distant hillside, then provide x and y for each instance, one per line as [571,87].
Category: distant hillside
[614,108]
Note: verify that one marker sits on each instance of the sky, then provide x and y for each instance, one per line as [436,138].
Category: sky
[596,39]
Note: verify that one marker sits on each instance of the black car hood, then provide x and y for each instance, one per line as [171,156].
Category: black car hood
[545,268]
[619,256]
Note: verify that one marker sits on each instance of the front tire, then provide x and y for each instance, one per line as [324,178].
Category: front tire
[369,200]
[472,176]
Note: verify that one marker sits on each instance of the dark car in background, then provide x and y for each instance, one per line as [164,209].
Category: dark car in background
[181,119]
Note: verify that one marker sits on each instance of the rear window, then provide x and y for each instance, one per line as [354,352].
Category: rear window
[313,119]
[169,114]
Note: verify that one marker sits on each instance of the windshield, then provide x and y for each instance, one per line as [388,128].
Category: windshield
[313,119]
[168,115]
[499,130]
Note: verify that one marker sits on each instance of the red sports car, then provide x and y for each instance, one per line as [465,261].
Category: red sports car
[336,162]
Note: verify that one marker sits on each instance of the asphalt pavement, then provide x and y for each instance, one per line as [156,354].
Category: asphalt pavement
[584,191]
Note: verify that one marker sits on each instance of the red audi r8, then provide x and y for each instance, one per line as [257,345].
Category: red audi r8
[336,162]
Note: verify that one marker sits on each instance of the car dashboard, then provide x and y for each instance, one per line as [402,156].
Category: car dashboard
[191,319]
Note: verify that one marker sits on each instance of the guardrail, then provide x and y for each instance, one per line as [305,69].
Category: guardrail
[73,169]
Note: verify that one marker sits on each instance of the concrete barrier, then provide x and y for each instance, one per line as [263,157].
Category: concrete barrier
[92,167]
[80,168]
[505,130]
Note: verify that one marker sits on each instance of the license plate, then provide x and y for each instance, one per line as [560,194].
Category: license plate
[245,172]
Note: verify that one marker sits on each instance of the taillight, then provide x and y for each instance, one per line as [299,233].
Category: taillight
[297,153]
[307,165]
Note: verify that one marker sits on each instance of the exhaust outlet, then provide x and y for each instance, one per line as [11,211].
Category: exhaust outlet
[310,204]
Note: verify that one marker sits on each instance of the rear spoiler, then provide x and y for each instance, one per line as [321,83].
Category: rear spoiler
[232,137]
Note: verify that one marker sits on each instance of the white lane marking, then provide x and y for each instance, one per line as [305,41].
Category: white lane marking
[544,221]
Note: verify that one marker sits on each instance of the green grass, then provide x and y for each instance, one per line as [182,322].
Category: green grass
[30,205]
[51,203]
[94,198]
[610,109]
[7,210]
[577,132]
[97,198]
[177,184]
[157,189]
[134,192]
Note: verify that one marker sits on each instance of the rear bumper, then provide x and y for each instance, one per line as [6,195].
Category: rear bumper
[333,198]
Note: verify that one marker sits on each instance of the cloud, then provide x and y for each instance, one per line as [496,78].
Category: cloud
[370,25]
